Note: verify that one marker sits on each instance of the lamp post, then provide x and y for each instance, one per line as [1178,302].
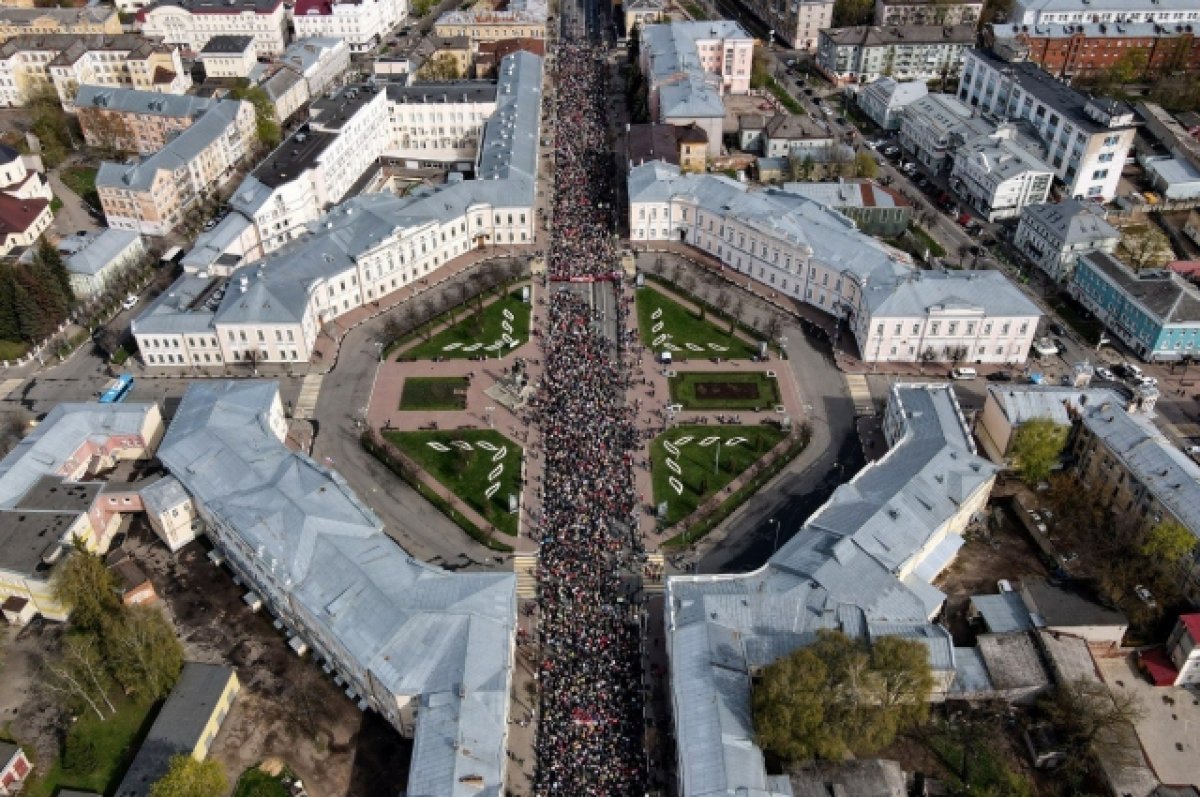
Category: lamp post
[775,545]
[717,458]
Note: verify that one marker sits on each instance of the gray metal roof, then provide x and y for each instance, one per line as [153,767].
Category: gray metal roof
[227,45]
[1169,474]
[1003,613]
[508,147]
[1099,6]
[884,35]
[1058,607]
[434,93]
[178,309]
[838,572]
[179,726]
[177,154]
[443,638]
[848,194]
[891,93]
[990,291]
[304,54]
[1071,221]
[998,154]
[101,251]
[166,493]
[150,103]
[1021,403]
[63,16]
[1167,296]
[684,88]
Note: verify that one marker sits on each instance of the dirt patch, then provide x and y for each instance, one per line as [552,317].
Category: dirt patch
[727,390]
[1000,551]
[289,709]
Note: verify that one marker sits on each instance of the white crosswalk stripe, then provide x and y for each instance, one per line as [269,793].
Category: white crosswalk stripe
[306,403]
[860,394]
[525,566]
[8,386]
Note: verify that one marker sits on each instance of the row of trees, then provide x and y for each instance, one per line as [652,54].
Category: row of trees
[34,298]
[836,161]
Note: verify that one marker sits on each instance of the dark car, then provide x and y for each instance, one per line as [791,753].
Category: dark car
[841,120]
[1056,329]
[809,92]
[1000,376]
[1122,370]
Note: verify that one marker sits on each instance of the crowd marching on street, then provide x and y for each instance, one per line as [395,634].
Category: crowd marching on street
[589,739]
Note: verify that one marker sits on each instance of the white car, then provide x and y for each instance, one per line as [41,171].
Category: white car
[1105,374]
[1145,596]
[129,302]
[1145,381]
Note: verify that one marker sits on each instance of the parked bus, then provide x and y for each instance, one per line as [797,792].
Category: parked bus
[118,390]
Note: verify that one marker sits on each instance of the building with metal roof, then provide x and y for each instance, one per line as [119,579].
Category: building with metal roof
[93,267]
[1007,407]
[1039,12]
[877,210]
[1001,172]
[431,651]
[862,564]
[192,23]
[864,53]
[811,252]
[1155,312]
[1054,235]
[884,100]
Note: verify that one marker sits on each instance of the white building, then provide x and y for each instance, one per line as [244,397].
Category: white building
[998,175]
[438,124]
[689,66]
[320,60]
[884,100]
[796,23]
[1087,139]
[934,126]
[1042,12]
[24,202]
[1053,236]
[192,23]
[808,251]
[927,12]
[362,24]
[228,56]
[286,90]
[788,134]
[910,52]
[273,308]
[103,259]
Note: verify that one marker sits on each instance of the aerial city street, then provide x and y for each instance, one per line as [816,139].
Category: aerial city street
[575,398]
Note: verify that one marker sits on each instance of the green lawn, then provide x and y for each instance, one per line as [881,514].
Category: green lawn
[701,475]
[686,327]
[724,390]
[113,743]
[434,393]
[465,473]
[12,349]
[926,242]
[256,783]
[475,328]
[81,180]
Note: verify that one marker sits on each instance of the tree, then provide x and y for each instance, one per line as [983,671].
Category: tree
[48,257]
[1167,544]
[1129,67]
[78,675]
[187,777]
[865,165]
[836,697]
[143,652]
[847,13]
[1036,448]
[1089,718]
[1144,246]
[266,126]
[88,587]
[441,67]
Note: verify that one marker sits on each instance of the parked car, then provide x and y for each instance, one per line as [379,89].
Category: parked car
[1004,585]
[1145,381]
[129,302]
[1105,374]
[1145,596]
[1056,329]
[1000,376]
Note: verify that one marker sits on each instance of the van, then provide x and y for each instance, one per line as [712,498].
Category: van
[963,373]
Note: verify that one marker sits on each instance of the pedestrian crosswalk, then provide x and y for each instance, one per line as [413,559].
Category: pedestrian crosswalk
[8,386]
[525,566]
[860,394]
[310,390]
[652,581]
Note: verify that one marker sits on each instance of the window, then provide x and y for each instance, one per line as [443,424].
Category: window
[1100,174]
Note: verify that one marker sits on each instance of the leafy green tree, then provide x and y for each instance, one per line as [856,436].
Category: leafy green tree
[865,165]
[441,68]
[79,752]
[143,652]
[10,329]
[88,587]
[266,126]
[1168,543]
[1036,448]
[1129,67]
[835,697]
[853,12]
[187,777]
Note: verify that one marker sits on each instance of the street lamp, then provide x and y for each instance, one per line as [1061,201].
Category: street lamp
[775,546]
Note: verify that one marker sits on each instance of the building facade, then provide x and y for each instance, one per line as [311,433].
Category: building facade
[128,120]
[519,19]
[1053,236]
[884,100]
[24,202]
[434,124]
[934,127]
[803,249]
[94,267]
[362,24]
[865,53]
[1043,12]
[998,175]
[1087,139]
[90,20]
[228,57]
[927,12]
[191,23]
[322,61]
[1085,50]
[795,23]
[63,62]
[1153,311]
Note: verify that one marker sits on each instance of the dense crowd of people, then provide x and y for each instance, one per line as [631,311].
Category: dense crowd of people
[589,740]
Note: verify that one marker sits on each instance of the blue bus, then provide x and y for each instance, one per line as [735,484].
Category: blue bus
[118,390]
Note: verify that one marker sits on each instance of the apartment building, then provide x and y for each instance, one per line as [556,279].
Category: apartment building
[455,51]
[54,489]
[435,124]
[999,173]
[933,127]
[810,252]
[863,564]
[641,12]
[191,23]
[1053,236]
[1087,139]
[482,23]
[87,21]
[321,60]
[884,100]
[272,308]
[927,12]
[1126,462]
[1043,12]
[795,23]
[228,57]
[689,66]
[24,202]
[787,134]
[429,650]
[286,90]
[128,120]
[362,24]
[152,196]
[1155,312]
[1083,50]
[63,62]
[865,53]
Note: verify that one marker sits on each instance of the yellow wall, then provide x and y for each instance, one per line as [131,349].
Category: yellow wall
[215,720]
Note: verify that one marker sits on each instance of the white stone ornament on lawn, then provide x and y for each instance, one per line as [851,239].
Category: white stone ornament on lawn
[676,485]
[507,314]
[463,444]
[473,347]
[485,445]
[708,441]
[436,446]
[452,346]
[674,466]
[670,447]
[718,347]
[500,454]
[495,474]
[491,490]
[693,347]
[735,441]
[657,327]
[683,441]
[658,341]
[657,314]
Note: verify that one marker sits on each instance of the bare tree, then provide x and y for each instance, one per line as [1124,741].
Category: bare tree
[735,314]
[74,676]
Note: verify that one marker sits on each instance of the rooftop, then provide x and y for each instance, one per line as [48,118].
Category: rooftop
[1071,221]
[650,142]
[93,15]
[214,6]
[882,36]
[304,54]
[1053,606]
[150,103]
[227,45]
[456,91]
[1165,294]
[1021,403]
[1002,613]
[793,127]
[180,308]
[18,215]
[333,113]
[69,47]
[101,251]
[301,151]
[849,194]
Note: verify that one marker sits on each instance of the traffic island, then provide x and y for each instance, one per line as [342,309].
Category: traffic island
[667,325]
[434,393]
[724,390]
